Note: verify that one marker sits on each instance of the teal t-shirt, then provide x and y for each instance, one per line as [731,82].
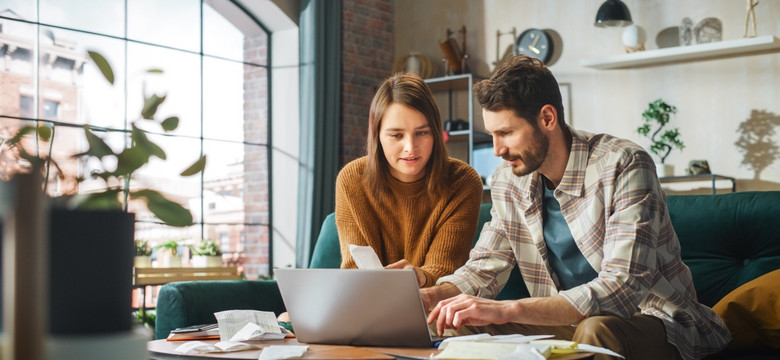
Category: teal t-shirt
[565,257]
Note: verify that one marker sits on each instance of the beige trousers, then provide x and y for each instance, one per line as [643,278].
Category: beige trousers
[636,338]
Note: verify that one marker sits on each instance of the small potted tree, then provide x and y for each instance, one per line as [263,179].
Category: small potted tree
[143,254]
[657,116]
[170,253]
[206,254]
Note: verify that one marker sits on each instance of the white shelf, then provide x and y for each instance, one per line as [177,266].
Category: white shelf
[679,54]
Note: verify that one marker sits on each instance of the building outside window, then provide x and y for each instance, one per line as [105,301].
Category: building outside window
[214,61]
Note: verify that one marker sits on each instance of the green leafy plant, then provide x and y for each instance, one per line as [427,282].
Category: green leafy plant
[657,116]
[206,248]
[172,246]
[116,194]
[142,248]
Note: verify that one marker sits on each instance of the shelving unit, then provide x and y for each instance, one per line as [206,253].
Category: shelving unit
[454,88]
[456,101]
[681,54]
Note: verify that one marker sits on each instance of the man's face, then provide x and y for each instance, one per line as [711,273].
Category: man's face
[515,140]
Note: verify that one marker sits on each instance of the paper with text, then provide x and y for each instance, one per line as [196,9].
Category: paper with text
[365,257]
[242,325]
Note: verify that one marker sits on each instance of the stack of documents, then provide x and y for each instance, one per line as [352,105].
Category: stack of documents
[505,347]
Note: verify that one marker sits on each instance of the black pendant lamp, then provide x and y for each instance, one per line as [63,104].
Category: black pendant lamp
[613,13]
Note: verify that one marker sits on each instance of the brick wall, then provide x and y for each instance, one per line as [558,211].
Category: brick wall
[256,209]
[367,59]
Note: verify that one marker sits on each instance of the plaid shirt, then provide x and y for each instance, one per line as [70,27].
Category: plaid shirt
[616,210]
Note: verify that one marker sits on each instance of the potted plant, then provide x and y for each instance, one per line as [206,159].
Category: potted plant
[206,254]
[143,254]
[656,117]
[170,254]
[99,221]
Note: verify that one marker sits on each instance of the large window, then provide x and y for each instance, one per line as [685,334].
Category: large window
[214,62]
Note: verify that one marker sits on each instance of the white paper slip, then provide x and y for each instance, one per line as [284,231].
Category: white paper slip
[365,257]
[282,352]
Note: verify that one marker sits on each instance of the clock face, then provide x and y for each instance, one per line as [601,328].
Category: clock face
[535,43]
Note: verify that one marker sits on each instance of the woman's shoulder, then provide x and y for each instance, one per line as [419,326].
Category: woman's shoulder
[353,169]
[463,175]
[460,169]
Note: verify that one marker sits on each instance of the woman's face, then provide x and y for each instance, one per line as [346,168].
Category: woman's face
[406,141]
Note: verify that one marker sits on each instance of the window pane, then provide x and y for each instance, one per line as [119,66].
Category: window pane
[21,9]
[227,30]
[100,16]
[173,23]
[223,99]
[179,81]
[163,175]
[69,77]
[17,49]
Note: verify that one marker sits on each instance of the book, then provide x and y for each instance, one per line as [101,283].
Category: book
[197,332]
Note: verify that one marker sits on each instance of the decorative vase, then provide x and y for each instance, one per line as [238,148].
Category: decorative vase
[101,285]
[201,261]
[664,170]
[171,261]
[143,261]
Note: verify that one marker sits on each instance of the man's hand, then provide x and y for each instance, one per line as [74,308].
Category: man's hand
[403,264]
[464,309]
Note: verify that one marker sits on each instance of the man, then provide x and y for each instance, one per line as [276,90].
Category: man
[585,219]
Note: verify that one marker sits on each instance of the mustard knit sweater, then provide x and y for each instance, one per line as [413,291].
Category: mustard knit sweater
[434,234]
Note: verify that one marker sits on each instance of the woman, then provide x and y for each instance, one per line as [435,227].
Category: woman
[416,207]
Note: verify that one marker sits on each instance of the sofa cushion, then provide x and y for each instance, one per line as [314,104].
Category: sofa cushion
[752,313]
[327,253]
[727,239]
[195,302]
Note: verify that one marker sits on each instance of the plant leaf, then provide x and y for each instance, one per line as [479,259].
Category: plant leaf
[170,123]
[166,210]
[130,160]
[17,138]
[97,147]
[196,167]
[141,140]
[103,65]
[150,106]
[44,133]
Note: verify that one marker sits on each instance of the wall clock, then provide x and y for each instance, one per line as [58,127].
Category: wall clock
[536,43]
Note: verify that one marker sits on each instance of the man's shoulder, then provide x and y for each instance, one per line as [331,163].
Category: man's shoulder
[608,146]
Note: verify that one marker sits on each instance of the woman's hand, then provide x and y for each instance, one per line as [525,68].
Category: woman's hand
[403,264]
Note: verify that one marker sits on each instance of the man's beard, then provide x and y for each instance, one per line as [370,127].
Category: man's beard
[533,157]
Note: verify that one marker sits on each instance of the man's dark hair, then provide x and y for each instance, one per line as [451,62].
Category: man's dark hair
[523,84]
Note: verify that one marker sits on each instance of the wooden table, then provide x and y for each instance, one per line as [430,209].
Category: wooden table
[164,350]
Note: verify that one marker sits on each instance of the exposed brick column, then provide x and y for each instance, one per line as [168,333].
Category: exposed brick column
[367,59]
[256,206]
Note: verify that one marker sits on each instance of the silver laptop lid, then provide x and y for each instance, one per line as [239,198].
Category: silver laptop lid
[355,307]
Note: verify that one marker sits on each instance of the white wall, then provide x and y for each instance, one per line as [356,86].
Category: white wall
[285,121]
[713,97]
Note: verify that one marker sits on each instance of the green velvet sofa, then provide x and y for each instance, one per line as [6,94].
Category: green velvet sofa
[727,240]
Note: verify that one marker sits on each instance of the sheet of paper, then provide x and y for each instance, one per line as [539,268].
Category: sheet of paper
[493,350]
[231,322]
[275,352]
[365,257]
[596,349]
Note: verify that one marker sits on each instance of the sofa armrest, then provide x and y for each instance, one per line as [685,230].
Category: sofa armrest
[189,303]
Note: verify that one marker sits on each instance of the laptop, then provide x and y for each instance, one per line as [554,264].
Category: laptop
[355,307]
